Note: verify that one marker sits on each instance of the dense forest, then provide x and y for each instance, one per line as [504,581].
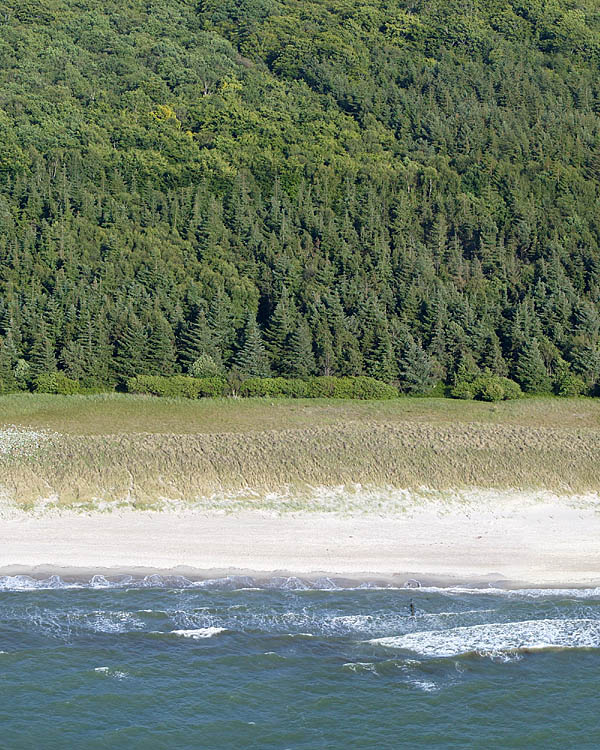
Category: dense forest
[404,189]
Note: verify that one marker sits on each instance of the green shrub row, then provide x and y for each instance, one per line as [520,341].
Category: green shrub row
[57,382]
[487,388]
[177,386]
[326,386]
[316,387]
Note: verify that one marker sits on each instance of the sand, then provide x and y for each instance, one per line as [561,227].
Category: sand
[509,540]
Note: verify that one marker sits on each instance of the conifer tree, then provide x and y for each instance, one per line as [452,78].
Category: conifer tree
[197,339]
[42,358]
[300,361]
[87,358]
[491,355]
[252,359]
[9,356]
[586,362]
[279,330]
[530,370]
[416,369]
[131,349]
[323,347]
[220,321]
[380,361]
[161,353]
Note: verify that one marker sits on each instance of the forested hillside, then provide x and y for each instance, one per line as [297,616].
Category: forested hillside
[406,189]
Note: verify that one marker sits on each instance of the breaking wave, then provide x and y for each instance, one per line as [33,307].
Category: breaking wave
[499,638]
[284,583]
[199,633]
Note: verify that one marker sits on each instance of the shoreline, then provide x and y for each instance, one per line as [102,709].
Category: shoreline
[263,580]
[514,544]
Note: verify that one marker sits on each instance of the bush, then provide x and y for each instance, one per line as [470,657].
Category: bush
[273,387]
[568,384]
[487,388]
[463,390]
[369,388]
[184,386]
[57,382]
[205,367]
[512,390]
[325,386]
[177,386]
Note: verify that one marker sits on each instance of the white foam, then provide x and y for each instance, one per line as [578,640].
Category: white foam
[361,666]
[589,593]
[497,638]
[109,672]
[425,685]
[109,622]
[197,633]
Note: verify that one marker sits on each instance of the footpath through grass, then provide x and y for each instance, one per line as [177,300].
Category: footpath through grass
[142,450]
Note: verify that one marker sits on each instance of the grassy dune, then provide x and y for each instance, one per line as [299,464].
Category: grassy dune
[78,449]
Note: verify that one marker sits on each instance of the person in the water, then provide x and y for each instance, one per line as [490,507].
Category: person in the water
[411,607]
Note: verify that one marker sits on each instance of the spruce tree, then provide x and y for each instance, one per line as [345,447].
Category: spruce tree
[220,321]
[585,360]
[88,357]
[299,359]
[197,339]
[530,370]
[131,349]
[491,355]
[252,359]
[161,347]
[280,328]
[9,356]
[42,358]
[416,369]
[379,360]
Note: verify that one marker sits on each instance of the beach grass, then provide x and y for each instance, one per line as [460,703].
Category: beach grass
[140,450]
[124,413]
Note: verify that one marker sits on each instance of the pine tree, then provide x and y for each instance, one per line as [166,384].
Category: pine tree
[220,321]
[323,348]
[279,330]
[88,357]
[131,349]
[73,360]
[252,359]
[530,370]
[379,360]
[161,347]
[42,358]
[299,359]
[491,355]
[416,369]
[586,362]
[9,356]
[197,339]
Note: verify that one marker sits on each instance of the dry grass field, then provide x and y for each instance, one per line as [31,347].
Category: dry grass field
[139,450]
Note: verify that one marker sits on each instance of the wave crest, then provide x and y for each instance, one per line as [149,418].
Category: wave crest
[498,638]
[199,633]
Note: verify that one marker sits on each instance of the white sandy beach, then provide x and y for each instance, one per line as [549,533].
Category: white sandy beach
[513,542]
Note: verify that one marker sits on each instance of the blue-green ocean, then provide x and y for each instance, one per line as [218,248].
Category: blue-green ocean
[170,663]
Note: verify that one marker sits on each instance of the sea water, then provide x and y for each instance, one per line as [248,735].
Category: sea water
[232,663]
